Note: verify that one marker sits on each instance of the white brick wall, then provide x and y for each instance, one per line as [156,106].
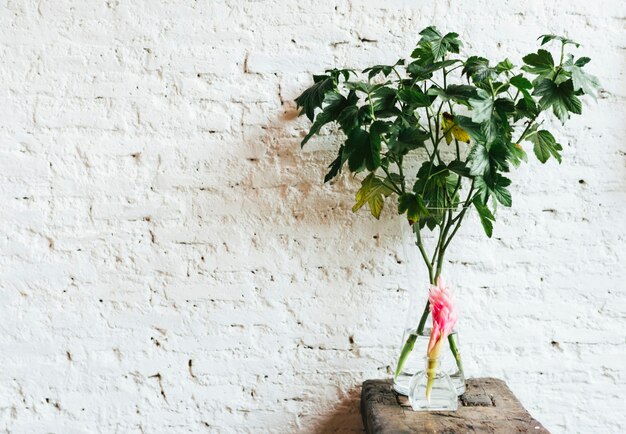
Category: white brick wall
[171,262]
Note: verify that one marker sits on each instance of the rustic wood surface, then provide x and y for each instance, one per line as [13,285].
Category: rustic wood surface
[488,406]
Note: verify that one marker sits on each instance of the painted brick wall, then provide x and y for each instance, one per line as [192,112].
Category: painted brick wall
[171,262]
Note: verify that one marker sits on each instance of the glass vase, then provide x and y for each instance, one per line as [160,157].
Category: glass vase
[416,282]
[436,393]
[414,363]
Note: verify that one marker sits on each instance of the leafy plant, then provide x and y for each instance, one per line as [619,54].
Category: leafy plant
[465,119]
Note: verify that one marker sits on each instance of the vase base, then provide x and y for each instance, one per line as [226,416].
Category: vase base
[459,383]
[434,393]
[401,384]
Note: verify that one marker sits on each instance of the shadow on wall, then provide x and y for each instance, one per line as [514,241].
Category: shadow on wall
[345,416]
[291,218]
[297,176]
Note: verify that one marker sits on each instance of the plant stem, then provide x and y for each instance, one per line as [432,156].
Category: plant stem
[444,227]
[458,219]
[456,142]
[420,246]
[412,338]
[456,353]
[430,129]
[530,123]
[437,120]
[398,162]
[423,318]
[397,189]
[456,228]
[440,238]
[440,257]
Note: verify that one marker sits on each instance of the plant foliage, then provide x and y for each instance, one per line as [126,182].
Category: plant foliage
[466,118]
[465,121]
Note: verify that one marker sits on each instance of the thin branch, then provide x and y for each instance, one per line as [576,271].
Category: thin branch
[395,186]
[420,246]
[460,216]
[439,239]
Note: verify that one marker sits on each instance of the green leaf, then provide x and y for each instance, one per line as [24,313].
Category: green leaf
[496,185]
[482,106]
[372,158]
[486,217]
[498,155]
[560,97]
[540,63]
[414,97]
[385,69]
[472,128]
[588,83]
[545,145]
[504,106]
[313,97]
[477,68]
[423,54]
[335,166]
[459,167]
[421,71]
[547,38]
[413,206]
[407,139]
[336,103]
[349,118]
[357,149]
[362,86]
[499,88]
[460,93]
[488,158]
[501,193]
[478,159]
[384,101]
[365,114]
[435,184]
[583,83]
[582,61]
[373,192]
[517,154]
[336,73]
[503,66]
[525,108]
[521,83]
[490,129]
[440,45]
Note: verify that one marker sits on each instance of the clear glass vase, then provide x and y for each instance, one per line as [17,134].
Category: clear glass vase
[416,282]
[414,363]
[439,395]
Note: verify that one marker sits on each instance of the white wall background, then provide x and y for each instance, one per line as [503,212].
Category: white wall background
[171,262]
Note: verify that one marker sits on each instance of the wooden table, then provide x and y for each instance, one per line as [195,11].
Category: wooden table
[488,406]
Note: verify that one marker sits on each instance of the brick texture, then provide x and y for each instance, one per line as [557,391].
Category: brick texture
[171,262]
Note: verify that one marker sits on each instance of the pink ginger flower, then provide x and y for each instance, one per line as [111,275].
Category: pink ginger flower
[445,317]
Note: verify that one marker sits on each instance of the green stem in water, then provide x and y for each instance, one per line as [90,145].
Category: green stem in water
[456,353]
[404,354]
[410,342]
[433,273]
